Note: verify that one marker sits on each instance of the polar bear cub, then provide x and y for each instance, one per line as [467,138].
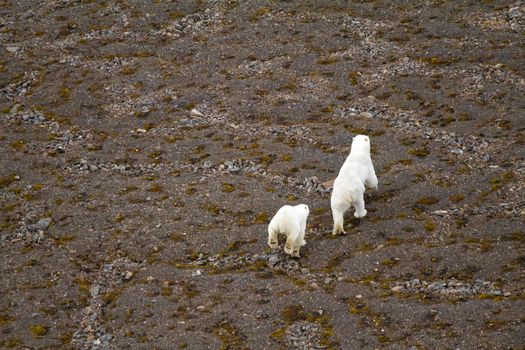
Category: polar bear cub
[290,221]
[349,186]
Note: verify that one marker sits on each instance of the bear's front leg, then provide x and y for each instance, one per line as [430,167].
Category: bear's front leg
[372,182]
[272,239]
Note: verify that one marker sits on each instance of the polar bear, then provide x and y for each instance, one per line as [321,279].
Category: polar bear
[290,221]
[349,186]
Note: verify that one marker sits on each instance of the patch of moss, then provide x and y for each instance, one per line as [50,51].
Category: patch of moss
[227,187]
[419,152]
[430,225]
[166,291]
[18,145]
[38,330]
[261,218]
[427,201]
[330,59]
[65,93]
[259,13]
[286,158]
[456,198]
[66,338]
[11,343]
[155,188]
[390,262]
[83,284]
[8,180]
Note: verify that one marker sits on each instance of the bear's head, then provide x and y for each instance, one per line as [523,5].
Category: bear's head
[360,144]
[305,208]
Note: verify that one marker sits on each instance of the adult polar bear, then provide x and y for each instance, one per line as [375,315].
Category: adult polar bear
[290,221]
[349,186]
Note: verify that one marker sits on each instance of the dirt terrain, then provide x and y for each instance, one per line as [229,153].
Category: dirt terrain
[145,147]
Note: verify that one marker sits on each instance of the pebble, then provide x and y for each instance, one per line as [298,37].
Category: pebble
[196,273]
[42,224]
[196,113]
[94,290]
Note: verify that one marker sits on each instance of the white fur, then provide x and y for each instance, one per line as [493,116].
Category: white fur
[290,221]
[349,186]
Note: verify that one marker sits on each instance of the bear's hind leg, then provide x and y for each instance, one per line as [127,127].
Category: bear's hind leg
[359,205]
[289,246]
[337,213]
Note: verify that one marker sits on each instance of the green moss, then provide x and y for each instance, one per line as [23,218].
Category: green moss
[261,218]
[66,338]
[65,93]
[155,188]
[286,158]
[38,330]
[456,198]
[119,217]
[352,77]
[18,145]
[259,13]
[128,189]
[319,211]
[430,225]
[8,180]
[330,59]
[127,70]
[83,284]
[390,262]
[427,201]
[166,291]
[293,313]
[227,187]
[437,60]
[419,152]
[11,343]
[383,339]
[190,191]
[278,334]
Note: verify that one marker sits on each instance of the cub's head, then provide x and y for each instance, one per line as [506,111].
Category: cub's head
[361,143]
[304,207]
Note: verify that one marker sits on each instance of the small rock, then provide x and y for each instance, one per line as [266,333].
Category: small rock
[128,275]
[440,212]
[94,290]
[273,260]
[507,294]
[314,285]
[196,273]
[196,113]
[42,224]
[12,49]
[396,289]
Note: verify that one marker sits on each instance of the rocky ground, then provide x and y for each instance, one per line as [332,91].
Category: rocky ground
[146,145]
